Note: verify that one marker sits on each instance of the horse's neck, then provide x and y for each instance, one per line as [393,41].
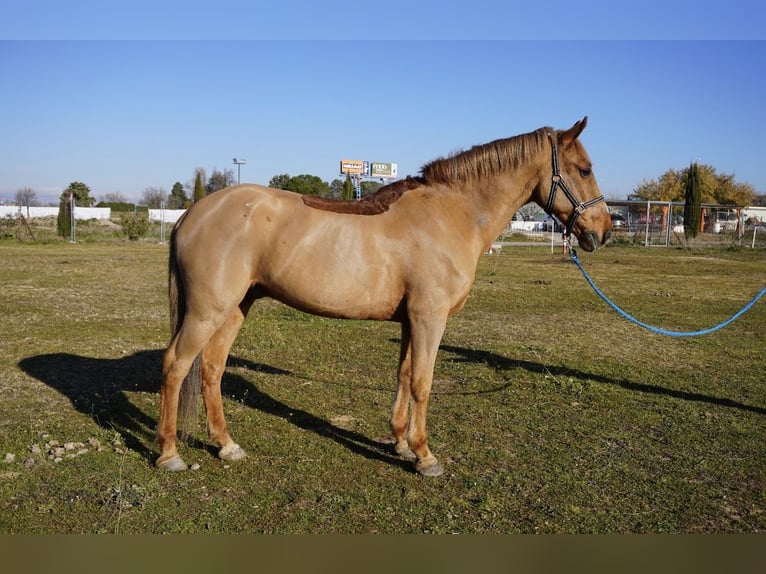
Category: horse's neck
[497,201]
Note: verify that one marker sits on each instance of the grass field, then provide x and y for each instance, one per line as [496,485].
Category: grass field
[550,413]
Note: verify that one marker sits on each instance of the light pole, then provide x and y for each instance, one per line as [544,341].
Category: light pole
[239,163]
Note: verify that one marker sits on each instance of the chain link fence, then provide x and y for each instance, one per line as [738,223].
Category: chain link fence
[661,223]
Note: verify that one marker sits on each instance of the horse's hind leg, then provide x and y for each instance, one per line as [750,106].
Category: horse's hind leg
[176,363]
[214,357]
[399,420]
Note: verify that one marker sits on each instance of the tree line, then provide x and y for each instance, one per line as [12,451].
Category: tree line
[714,187]
[305,184]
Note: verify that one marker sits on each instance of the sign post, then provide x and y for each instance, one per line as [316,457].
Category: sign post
[354,168]
[358,169]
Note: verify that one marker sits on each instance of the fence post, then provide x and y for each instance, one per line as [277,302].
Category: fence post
[646,233]
[73,227]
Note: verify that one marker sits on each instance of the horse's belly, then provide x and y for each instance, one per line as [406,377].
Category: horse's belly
[338,298]
[338,286]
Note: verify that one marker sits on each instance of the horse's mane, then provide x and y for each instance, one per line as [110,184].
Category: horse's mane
[373,204]
[479,162]
[485,160]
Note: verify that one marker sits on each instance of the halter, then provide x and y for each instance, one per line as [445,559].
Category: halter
[557,181]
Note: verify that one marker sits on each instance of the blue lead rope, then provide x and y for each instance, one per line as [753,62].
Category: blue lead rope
[658,330]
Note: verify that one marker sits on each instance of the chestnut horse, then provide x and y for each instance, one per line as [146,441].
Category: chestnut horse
[408,254]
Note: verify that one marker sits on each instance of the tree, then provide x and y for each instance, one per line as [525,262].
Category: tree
[348,189]
[134,225]
[693,202]
[336,188]
[81,193]
[304,184]
[64,220]
[280,181]
[178,198]
[530,212]
[219,180]
[370,187]
[309,185]
[76,194]
[153,197]
[669,187]
[714,187]
[199,186]
[27,198]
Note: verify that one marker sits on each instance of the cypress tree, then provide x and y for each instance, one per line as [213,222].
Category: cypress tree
[692,202]
[199,187]
[348,189]
[78,191]
[64,221]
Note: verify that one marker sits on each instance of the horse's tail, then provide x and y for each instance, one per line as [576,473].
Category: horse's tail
[188,400]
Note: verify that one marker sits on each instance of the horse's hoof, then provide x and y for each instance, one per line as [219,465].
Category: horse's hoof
[232,452]
[432,468]
[172,464]
[406,453]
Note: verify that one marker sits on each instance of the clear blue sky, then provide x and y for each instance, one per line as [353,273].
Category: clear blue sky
[125,115]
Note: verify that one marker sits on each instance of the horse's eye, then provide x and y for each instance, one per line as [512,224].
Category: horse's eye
[585,171]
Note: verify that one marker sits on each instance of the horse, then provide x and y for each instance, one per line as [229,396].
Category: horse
[407,254]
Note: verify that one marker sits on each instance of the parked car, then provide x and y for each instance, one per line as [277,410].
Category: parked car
[618,221]
[722,222]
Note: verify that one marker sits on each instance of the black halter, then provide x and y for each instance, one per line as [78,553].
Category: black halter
[557,181]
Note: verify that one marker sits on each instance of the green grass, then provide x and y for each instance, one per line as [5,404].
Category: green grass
[549,412]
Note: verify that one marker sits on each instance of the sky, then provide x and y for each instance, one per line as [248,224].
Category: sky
[123,107]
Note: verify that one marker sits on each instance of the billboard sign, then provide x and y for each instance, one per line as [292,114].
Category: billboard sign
[384,170]
[352,166]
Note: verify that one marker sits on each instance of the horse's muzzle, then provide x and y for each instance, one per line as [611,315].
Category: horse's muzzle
[592,240]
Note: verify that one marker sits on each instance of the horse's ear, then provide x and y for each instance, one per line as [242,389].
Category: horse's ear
[570,135]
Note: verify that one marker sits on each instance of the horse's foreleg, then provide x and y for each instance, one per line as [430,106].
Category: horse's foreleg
[399,420]
[426,335]
[213,365]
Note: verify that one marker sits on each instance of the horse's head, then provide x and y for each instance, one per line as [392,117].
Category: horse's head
[573,195]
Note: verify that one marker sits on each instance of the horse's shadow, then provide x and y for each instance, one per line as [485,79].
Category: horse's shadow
[98,388]
[501,363]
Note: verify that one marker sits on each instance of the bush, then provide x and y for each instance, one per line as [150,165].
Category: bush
[117,206]
[134,225]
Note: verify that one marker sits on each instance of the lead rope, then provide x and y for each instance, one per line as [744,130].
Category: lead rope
[573,255]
